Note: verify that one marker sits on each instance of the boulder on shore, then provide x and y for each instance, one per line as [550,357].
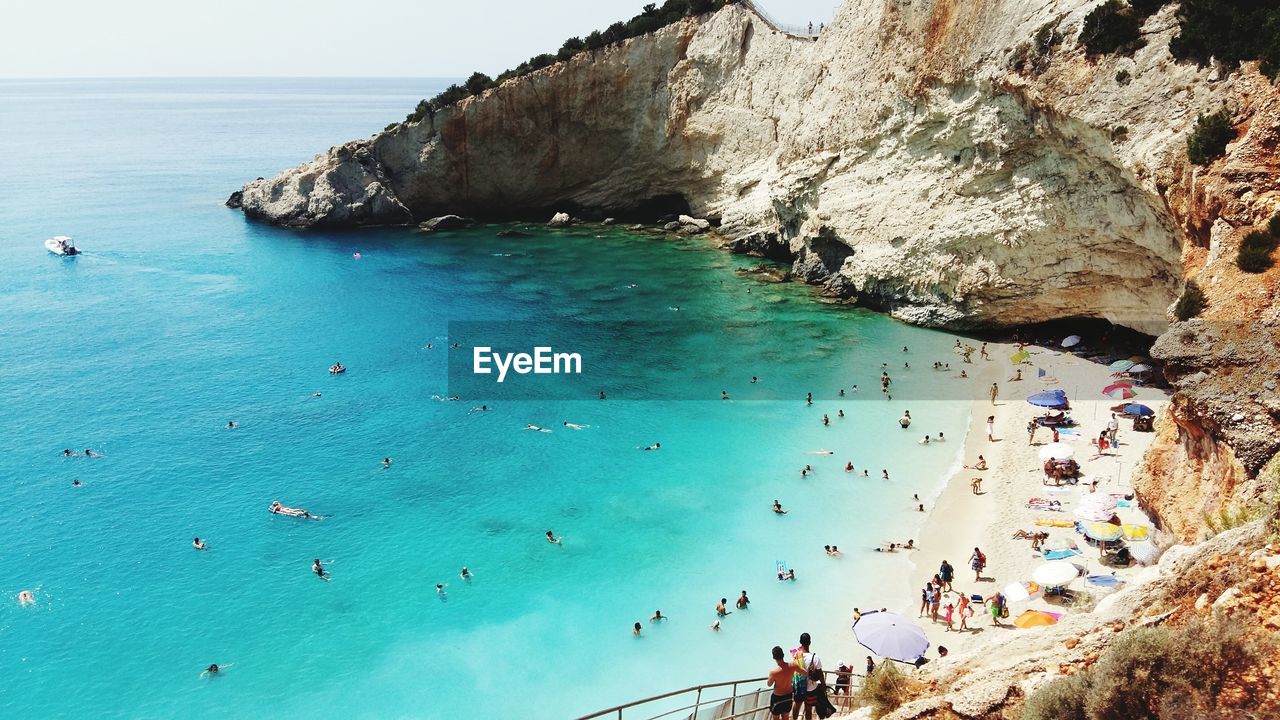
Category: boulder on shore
[444,222]
[560,219]
[236,199]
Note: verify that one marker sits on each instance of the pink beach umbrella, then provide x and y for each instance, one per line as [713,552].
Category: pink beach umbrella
[1119,391]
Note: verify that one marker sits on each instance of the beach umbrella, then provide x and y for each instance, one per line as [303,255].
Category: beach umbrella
[1119,391]
[1057,451]
[1019,357]
[1144,552]
[1096,507]
[1103,531]
[1071,341]
[1049,399]
[1138,409]
[891,636]
[1055,574]
[1035,618]
[1135,532]
[1021,591]
[1140,368]
[1121,365]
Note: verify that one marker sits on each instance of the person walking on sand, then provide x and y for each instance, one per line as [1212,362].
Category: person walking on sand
[1031,432]
[995,392]
[983,352]
[780,703]
[964,611]
[1113,426]
[947,614]
[977,561]
[991,428]
[945,573]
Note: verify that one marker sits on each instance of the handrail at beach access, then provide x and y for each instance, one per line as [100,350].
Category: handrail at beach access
[788,28]
[749,705]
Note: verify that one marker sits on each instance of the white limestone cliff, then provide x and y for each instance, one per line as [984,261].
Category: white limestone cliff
[928,157]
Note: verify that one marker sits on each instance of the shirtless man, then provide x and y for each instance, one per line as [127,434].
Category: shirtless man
[780,680]
[743,601]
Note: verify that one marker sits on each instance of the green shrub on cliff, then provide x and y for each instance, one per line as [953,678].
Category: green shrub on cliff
[1157,672]
[1191,303]
[1229,31]
[1255,252]
[885,688]
[1112,27]
[1273,226]
[651,18]
[1209,138]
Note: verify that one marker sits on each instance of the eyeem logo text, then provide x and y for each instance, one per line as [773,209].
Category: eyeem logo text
[542,362]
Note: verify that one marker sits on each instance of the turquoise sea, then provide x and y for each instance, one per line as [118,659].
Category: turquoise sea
[182,316]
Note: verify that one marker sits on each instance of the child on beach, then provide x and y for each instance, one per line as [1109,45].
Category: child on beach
[947,615]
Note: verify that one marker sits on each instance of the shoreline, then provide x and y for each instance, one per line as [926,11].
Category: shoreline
[957,520]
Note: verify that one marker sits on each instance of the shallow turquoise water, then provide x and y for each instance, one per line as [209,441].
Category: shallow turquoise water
[182,316]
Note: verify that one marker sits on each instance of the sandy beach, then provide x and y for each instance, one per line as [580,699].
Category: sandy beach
[960,520]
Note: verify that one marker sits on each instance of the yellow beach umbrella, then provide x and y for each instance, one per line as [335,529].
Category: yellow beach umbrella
[1103,531]
[1135,532]
[1019,357]
[1035,618]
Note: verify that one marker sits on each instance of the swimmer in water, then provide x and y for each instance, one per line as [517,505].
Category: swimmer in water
[482,408]
[925,441]
[840,413]
[941,437]
[885,474]
[574,426]
[551,538]
[26,597]
[535,427]
[743,601]
[848,467]
[386,462]
[716,625]
[315,394]
[724,394]
[755,379]
[777,508]
[864,474]
[721,610]
[601,394]
[440,589]
[655,446]
[657,616]
[91,454]
[791,575]
[198,544]
[635,629]
[317,567]
[231,424]
[213,670]
[66,452]
[465,574]
[76,483]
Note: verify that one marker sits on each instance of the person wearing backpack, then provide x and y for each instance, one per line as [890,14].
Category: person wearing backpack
[809,678]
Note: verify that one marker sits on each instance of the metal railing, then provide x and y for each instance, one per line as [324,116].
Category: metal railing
[788,28]
[710,702]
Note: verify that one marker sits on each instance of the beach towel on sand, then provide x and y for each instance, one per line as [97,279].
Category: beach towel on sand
[1060,554]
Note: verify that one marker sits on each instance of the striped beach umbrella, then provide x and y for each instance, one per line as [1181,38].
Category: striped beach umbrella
[1119,391]
[1103,531]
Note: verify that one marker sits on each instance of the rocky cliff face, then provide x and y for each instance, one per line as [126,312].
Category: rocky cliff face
[922,156]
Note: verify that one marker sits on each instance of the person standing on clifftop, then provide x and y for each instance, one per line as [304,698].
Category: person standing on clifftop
[810,28]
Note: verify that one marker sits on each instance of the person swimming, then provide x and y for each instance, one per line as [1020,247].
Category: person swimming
[386,462]
[755,379]
[777,508]
[277,509]
[724,394]
[635,629]
[316,395]
[213,670]
[885,474]
[317,567]
[941,437]
[465,574]
[925,441]
[657,616]
[198,544]
[848,467]
[716,626]
[66,452]
[721,610]
[482,408]
[440,589]
[791,575]
[231,424]
[91,454]
[905,420]
[535,427]
[743,601]
[655,446]
[26,597]
[76,483]
[551,538]
[336,368]
[574,426]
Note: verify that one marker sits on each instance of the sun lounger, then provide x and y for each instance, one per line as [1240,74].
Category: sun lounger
[1060,554]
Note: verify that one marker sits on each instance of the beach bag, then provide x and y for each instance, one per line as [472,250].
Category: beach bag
[1004,612]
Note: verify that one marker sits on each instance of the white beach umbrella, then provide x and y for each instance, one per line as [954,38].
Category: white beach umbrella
[1055,574]
[1071,341]
[1057,451]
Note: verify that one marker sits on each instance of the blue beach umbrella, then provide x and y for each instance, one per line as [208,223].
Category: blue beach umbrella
[892,636]
[1138,409]
[1049,399]
[1121,365]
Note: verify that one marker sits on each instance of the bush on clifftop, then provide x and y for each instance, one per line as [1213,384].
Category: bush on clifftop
[1209,138]
[1112,27]
[1157,672]
[1229,31]
[651,18]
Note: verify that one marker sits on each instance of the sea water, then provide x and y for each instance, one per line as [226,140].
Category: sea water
[181,316]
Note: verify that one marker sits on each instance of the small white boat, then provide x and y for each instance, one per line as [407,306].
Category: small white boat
[61,245]
[337,368]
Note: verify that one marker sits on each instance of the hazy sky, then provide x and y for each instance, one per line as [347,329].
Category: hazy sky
[413,38]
